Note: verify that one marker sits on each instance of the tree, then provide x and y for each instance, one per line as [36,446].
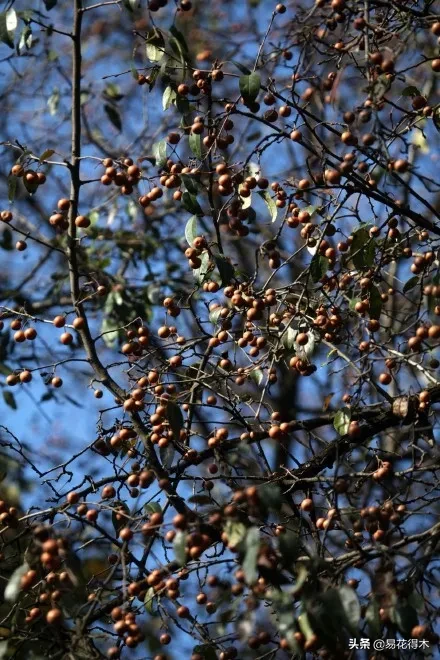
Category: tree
[220,235]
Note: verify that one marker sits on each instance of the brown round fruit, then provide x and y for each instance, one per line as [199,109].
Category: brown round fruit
[82,221]
[126,534]
[66,338]
[30,334]
[54,616]
[59,321]
[17,170]
[302,338]
[79,323]
[25,376]
[307,504]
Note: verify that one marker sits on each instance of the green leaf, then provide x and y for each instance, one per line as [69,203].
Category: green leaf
[341,421]
[8,25]
[179,46]
[252,548]
[253,169]
[155,45]
[6,242]
[178,50]
[318,267]
[304,625]
[405,617]
[84,97]
[283,617]
[12,187]
[168,97]
[362,248]
[167,455]
[9,399]
[270,494]
[270,203]
[153,507]
[245,202]
[154,53]
[301,577]
[207,651]
[113,91]
[25,14]
[288,338]
[160,153]
[369,253]
[114,116]
[175,419]
[195,144]
[191,230]
[250,86]
[411,91]
[410,284]
[372,617]
[252,216]
[13,588]
[290,547]
[351,607]
[117,298]
[225,268]
[25,38]
[179,37]
[93,217]
[109,326]
[53,101]
[375,303]
[257,375]
[311,209]
[252,137]
[183,106]
[200,273]
[214,315]
[119,524]
[420,141]
[236,532]
[46,154]
[380,86]
[334,610]
[149,600]
[190,183]
[50,4]
[191,204]
[154,75]
[242,68]
[179,547]
[416,600]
